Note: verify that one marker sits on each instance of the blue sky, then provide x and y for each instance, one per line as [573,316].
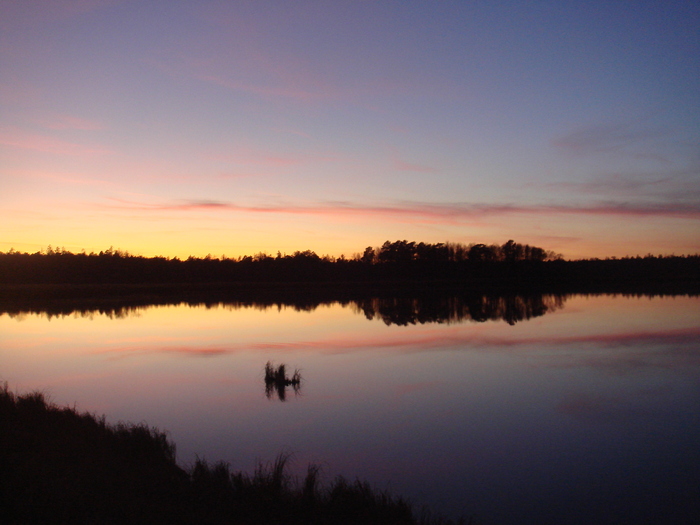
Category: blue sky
[180,128]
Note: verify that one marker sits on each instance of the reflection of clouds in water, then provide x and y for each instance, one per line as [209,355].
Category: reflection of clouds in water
[619,364]
[410,388]
[599,408]
[624,352]
[681,336]
[640,405]
[640,354]
[192,351]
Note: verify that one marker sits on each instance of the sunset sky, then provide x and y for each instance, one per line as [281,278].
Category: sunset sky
[183,128]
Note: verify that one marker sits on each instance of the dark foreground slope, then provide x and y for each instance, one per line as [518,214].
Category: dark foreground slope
[60,466]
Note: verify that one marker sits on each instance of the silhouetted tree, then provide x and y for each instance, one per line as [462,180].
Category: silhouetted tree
[369,256]
[481,252]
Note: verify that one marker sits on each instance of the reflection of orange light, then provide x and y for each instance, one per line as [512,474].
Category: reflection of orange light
[572,334]
[158,350]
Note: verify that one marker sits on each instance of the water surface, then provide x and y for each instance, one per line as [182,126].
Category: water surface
[582,409]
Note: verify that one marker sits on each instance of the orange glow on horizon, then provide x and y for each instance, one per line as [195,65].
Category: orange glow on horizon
[199,228]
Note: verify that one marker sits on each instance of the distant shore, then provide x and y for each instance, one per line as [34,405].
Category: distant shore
[399,269]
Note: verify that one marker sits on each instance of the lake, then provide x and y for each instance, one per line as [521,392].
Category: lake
[555,409]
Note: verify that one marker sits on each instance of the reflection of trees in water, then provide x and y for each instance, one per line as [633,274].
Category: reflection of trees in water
[514,308]
[82,312]
[404,310]
[479,308]
[90,308]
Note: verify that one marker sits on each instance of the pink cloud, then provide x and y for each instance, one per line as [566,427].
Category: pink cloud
[61,122]
[285,89]
[18,92]
[17,139]
[401,165]
[74,179]
[454,213]
[270,159]
[418,168]
[291,131]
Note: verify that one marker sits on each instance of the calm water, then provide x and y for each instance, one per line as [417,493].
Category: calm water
[589,413]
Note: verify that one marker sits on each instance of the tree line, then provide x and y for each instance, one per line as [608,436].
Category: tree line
[400,258]
[503,265]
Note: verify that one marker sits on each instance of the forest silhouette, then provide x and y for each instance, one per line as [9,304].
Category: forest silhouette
[399,265]
[393,260]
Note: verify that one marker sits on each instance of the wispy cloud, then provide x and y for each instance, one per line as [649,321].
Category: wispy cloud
[402,165]
[15,92]
[16,138]
[73,179]
[63,122]
[270,159]
[649,194]
[443,212]
[410,388]
[600,408]
[281,88]
[255,72]
[292,131]
[37,12]
[612,138]
[614,184]
[399,163]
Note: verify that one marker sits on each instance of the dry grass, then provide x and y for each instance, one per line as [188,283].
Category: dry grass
[61,466]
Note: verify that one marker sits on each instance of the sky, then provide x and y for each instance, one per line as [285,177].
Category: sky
[181,128]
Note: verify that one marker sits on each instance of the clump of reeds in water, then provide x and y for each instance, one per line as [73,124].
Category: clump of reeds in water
[277,381]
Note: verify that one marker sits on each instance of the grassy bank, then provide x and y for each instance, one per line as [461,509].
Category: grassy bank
[61,466]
